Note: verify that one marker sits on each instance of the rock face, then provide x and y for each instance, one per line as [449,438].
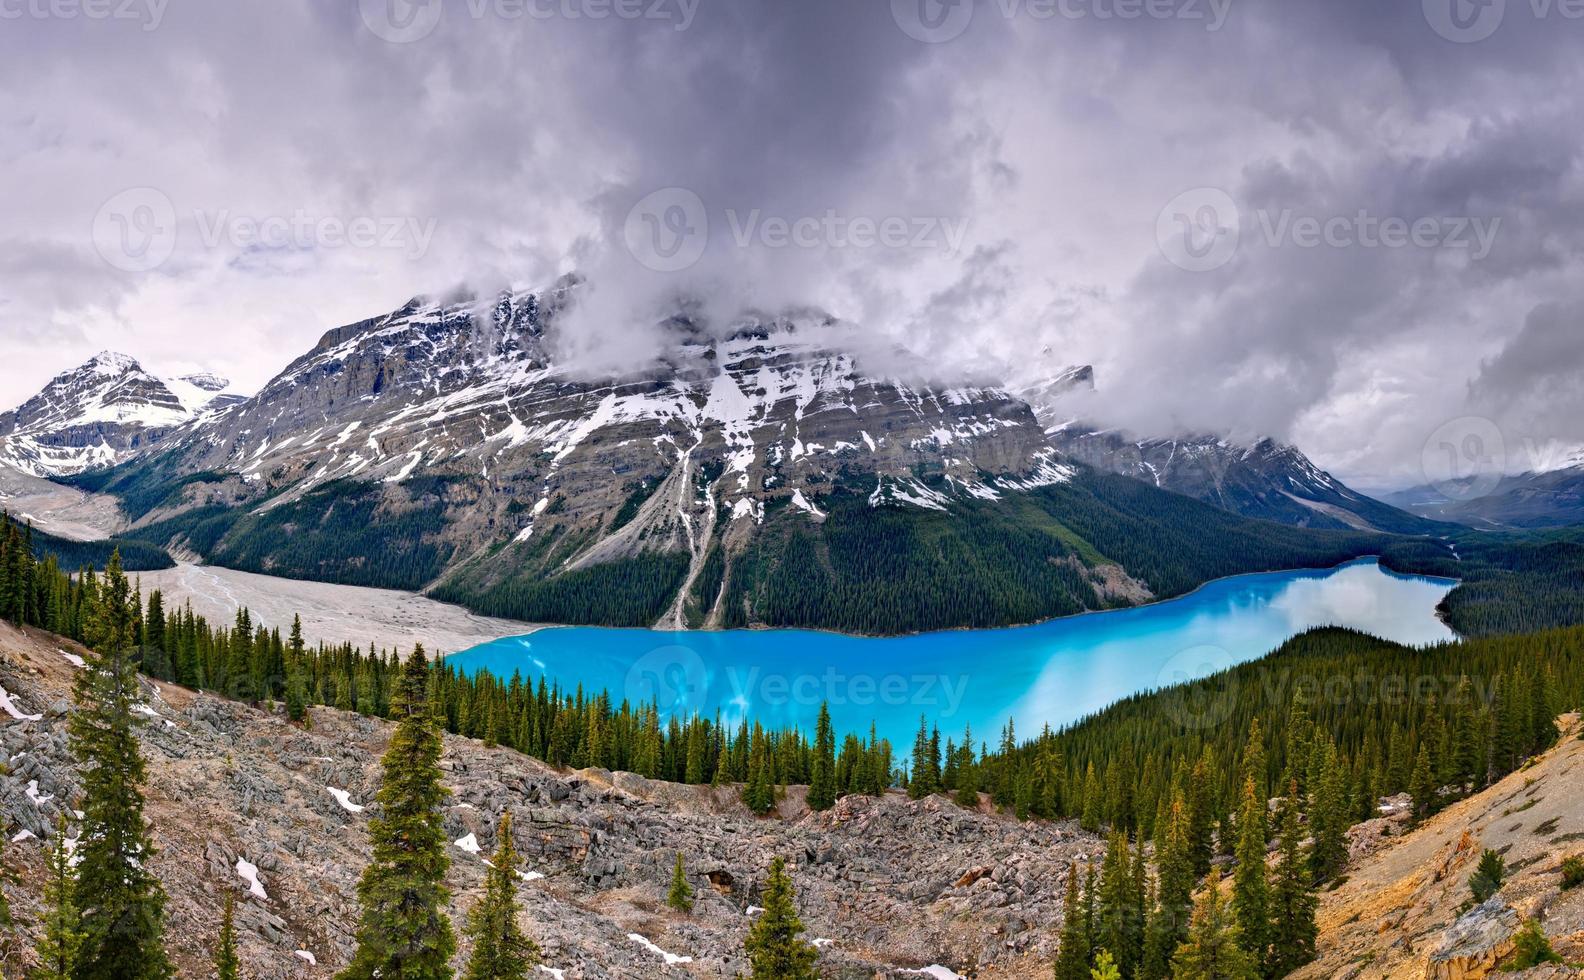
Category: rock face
[886,884]
[101,413]
[1265,479]
[1476,943]
[1402,910]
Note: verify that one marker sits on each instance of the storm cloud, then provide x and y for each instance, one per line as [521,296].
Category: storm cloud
[1001,186]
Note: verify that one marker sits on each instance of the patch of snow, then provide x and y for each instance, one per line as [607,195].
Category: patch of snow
[469,843]
[306,957]
[144,709]
[671,958]
[249,873]
[753,910]
[34,795]
[345,799]
[11,708]
[558,974]
[73,659]
[802,503]
[936,972]
[22,835]
[822,942]
[530,875]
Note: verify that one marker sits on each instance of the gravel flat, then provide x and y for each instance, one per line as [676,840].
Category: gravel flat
[330,613]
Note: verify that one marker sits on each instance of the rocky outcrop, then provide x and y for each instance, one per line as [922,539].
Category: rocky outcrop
[1476,943]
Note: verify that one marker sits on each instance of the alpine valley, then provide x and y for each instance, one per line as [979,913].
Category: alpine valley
[760,473]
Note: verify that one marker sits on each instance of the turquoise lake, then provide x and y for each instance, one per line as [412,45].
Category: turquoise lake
[1052,672]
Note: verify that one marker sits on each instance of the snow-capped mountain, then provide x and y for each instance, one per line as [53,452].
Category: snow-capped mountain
[1264,479]
[1551,497]
[101,413]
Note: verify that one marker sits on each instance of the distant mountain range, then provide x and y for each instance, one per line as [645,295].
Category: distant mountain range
[758,474]
[1264,479]
[103,413]
[1552,498]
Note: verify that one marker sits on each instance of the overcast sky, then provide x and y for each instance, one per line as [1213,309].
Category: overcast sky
[1347,223]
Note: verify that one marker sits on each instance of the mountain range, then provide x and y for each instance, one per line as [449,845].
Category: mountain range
[760,473]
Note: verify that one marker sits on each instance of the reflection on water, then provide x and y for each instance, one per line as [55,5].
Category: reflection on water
[1051,673]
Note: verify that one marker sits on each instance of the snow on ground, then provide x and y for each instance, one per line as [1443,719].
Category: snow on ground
[34,795]
[529,875]
[249,872]
[557,974]
[469,843]
[306,957]
[73,659]
[11,708]
[671,959]
[753,910]
[330,613]
[345,799]
[935,972]
[21,836]
[822,942]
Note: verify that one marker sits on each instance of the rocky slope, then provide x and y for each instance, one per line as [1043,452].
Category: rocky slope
[100,414]
[1264,479]
[1404,909]
[888,886]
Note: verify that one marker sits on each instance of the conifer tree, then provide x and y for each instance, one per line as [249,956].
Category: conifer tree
[1201,814]
[501,951]
[1250,889]
[1168,926]
[1118,927]
[775,951]
[822,785]
[1293,904]
[681,895]
[1072,956]
[226,964]
[57,951]
[1105,967]
[1214,950]
[1422,786]
[120,902]
[921,777]
[1328,811]
[403,930]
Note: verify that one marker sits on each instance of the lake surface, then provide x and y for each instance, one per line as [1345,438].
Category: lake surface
[1053,672]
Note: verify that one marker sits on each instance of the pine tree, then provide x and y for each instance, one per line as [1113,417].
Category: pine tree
[1105,967]
[501,951]
[1328,811]
[775,951]
[1168,926]
[822,787]
[403,930]
[1201,814]
[921,778]
[121,903]
[1293,904]
[681,895]
[1072,956]
[1250,890]
[57,951]
[1214,950]
[1422,786]
[1118,925]
[226,964]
